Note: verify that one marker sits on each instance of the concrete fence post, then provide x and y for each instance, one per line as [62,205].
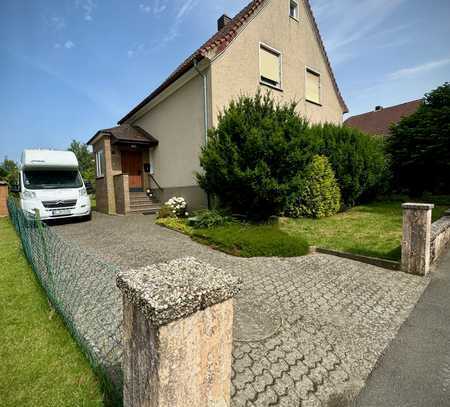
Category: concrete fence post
[416,238]
[177,335]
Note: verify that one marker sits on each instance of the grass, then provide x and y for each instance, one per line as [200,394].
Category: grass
[373,230]
[41,364]
[244,240]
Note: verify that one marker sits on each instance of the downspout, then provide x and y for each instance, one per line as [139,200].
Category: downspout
[205,112]
[205,98]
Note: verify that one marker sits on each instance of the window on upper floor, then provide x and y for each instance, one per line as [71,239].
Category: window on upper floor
[312,88]
[293,9]
[270,66]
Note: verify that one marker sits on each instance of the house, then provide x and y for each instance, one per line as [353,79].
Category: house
[271,45]
[379,121]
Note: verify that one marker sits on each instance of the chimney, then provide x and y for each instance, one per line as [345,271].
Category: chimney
[378,108]
[222,22]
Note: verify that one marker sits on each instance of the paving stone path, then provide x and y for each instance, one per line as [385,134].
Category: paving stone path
[308,330]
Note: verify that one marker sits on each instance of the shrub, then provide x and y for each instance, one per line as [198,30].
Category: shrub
[359,161]
[420,146]
[320,195]
[209,219]
[165,212]
[255,157]
[253,240]
[177,206]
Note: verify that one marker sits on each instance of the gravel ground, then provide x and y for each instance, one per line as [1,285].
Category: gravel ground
[308,330]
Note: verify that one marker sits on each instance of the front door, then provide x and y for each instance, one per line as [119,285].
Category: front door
[132,165]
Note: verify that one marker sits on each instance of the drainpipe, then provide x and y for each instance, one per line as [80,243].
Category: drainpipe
[205,112]
[205,98]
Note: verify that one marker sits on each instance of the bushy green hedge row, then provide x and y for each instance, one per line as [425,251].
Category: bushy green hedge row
[256,158]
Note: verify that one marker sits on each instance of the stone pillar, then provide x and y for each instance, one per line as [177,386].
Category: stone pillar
[416,238]
[177,335]
[3,199]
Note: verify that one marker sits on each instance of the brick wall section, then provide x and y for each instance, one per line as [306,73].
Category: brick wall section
[3,199]
[122,193]
[440,237]
[106,201]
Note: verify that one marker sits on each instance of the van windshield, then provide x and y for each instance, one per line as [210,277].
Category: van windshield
[52,179]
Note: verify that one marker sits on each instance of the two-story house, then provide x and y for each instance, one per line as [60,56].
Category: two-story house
[270,44]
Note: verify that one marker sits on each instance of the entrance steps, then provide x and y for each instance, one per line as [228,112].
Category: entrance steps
[141,203]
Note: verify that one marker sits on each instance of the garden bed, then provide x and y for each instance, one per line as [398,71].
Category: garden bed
[373,230]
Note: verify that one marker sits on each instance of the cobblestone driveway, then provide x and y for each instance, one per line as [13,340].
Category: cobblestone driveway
[308,330]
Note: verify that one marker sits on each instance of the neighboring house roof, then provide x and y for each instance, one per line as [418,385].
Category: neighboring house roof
[379,121]
[220,42]
[127,134]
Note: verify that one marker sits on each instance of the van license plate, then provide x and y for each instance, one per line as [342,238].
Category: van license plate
[61,212]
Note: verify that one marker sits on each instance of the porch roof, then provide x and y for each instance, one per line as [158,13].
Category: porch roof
[126,134]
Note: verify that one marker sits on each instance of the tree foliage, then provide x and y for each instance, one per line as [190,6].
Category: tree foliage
[85,160]
[9,171]
[255,159]
[420,146]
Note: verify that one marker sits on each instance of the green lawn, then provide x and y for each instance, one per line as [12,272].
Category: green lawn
[41,365]
[372,230]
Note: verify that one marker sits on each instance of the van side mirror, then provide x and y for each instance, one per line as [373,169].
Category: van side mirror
[14,188]
[89,188]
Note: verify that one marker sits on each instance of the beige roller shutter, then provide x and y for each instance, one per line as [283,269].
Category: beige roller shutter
[312,86]
[270,65]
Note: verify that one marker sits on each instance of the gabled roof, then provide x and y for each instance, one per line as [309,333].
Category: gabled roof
[220,42]
[126,133]
[378,122]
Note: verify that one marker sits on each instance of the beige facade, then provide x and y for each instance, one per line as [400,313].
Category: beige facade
[178,114]
[237,70]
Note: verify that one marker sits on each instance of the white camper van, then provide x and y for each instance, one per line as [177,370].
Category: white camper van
[51,183]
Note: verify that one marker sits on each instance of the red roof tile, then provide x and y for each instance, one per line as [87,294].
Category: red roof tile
[379,122]
[221,40]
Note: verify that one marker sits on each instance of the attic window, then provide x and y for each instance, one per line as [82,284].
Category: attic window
[293,9]
[270,66]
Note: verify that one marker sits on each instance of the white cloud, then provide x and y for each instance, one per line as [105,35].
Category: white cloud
[88,7]
[145,8]
[136,50]
[58,23]
[186,8]
[418,69]
[69,44]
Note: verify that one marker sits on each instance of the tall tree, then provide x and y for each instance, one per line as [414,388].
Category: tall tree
[420,146]
[85,160]
[9,171]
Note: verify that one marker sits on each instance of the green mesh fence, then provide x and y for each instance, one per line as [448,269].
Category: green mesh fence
[82,290]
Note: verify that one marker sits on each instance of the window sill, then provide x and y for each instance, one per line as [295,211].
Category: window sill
[314,103]
[297,20]
[101,177]
[271,86]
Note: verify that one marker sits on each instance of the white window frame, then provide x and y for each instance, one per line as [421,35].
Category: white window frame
[99,159]
[314,72]
[297,8]
[263,46]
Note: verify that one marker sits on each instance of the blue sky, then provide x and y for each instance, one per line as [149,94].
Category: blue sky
[71,67]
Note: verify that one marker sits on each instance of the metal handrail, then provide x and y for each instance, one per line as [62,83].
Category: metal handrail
[156,182]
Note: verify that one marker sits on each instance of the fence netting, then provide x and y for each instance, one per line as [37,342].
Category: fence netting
[82,289]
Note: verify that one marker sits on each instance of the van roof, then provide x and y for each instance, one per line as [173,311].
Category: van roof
[41,159]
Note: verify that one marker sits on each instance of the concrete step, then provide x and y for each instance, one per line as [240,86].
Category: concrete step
[154,209]
[145,205]
[143,201]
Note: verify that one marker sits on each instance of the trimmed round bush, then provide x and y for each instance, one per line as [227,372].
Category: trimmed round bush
[320,195]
